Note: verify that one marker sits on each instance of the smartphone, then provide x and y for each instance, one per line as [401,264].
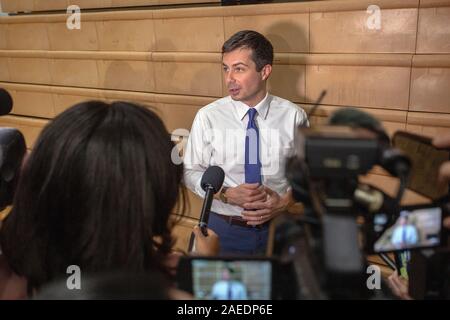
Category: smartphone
[232,278]
[417,227]
[426,161]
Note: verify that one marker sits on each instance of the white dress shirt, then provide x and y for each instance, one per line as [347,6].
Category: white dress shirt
[217,137]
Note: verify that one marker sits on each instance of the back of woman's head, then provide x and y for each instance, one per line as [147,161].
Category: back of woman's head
[96,191]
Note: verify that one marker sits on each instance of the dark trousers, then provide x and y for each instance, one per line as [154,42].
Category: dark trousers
[239,240]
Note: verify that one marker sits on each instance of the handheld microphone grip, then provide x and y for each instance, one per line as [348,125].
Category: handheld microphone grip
[206,208]
[211,183]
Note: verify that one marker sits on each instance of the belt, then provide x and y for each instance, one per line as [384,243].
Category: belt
[238,221]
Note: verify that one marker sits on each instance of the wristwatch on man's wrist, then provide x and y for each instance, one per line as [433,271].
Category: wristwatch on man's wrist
[222,195]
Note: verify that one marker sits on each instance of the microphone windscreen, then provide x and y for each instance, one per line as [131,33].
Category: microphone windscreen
[214,177]
[353,117]
[6,102]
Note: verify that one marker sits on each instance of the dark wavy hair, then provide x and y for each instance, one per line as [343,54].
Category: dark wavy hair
[97,191]
[262,49]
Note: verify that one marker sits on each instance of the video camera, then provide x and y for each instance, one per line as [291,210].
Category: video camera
[343,218]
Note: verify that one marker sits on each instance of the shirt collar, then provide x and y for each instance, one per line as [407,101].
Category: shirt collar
[262,107]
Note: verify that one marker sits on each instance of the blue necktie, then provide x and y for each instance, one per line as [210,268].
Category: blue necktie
[252,163]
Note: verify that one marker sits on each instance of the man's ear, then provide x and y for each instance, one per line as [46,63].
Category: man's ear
[266,71]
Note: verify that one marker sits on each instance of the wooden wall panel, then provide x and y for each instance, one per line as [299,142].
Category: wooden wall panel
[17,5]
[126,75]
[64,39]
[286,32]
[27,36]
[29,70]
[430,89]
[52,4]
[4,69]
[434,30]
[177,116]
[126,35]
[64,101]
[176,111]
[347,32]
[201,79]
[74,73]
[200,34]
[3,36]
[381,87]
[46,5]
[289,82]
[33,104]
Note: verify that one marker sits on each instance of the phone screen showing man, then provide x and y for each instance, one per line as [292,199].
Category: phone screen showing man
[414,228]
[232,280]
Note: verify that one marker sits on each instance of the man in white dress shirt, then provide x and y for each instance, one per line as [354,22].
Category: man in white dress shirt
[249,133]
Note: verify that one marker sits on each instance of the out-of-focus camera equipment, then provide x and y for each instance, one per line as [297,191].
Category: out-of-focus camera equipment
[325,243]
[12,152]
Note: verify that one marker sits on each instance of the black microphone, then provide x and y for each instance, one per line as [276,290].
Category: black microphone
[317,103]
[211,183]
[6,102]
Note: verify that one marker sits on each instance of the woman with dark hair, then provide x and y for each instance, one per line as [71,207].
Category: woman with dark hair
[97,192]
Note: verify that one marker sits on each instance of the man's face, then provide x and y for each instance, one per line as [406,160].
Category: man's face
[244,83]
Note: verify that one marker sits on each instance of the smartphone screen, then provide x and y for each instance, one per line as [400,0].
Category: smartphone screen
[416,227]
[426,161]
[228,279]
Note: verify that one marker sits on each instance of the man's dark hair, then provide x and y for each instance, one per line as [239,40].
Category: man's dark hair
[97,191]
[262,49]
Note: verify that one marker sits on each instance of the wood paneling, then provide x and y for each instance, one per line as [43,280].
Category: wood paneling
[47,5]
[287,32]
[29,70]
[381,87]
[348,32]
[126,35]
[188,78]
[64,39]
[430,89]
[434,30]
[27,36]
[192,34]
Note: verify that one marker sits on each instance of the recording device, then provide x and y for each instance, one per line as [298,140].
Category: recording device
[212,181]
[6,102]
[426,160]
[12,152]
[234,278]
[324,176]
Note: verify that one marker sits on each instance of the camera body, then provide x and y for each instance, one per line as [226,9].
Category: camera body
[337,152]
